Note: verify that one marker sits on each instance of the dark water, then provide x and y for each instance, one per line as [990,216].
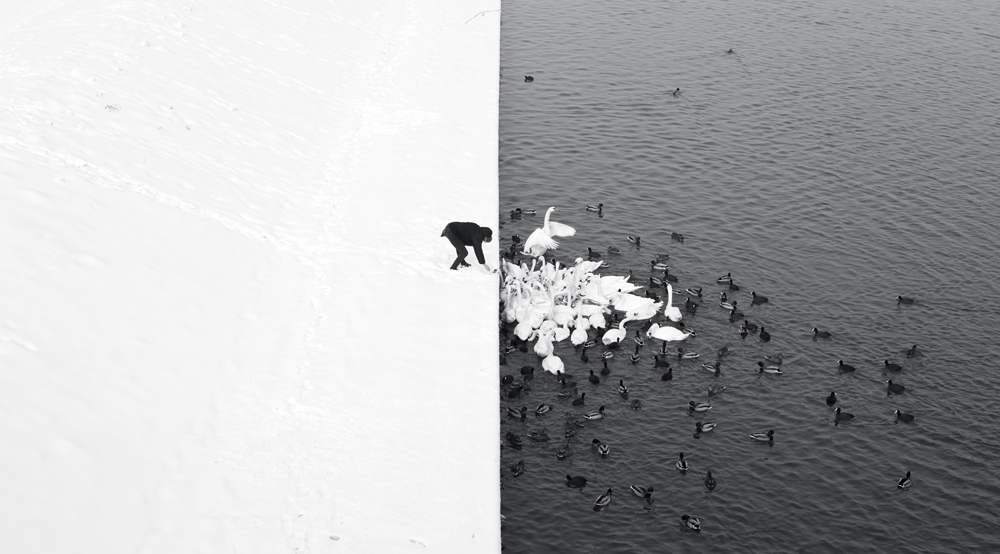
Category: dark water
[843,154]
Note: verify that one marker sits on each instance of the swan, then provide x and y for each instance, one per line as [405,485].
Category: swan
[543,347]
[616,335]
[552,363]
[666,334]
[540,241]
[672,312]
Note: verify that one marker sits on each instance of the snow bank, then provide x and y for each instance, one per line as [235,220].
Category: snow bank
[227,325]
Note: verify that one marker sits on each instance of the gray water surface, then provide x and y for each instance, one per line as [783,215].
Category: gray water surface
[843,154]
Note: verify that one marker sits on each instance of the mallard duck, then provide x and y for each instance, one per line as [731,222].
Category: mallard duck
[662,257]
[841,416]
[519,413]
[700,427]
[716,389]
[542,409]
[698,406]
[603,449]
[911,352]
[844,368]
[893,388]
[590,343]
[693,291]
[725,279]
[726,305]
[691,523]
[596,414]
[643,492]
[817,334]
[776,359]
[634,358]
[763,437]
[622,389]
[527,211]
[743,332]
[681,464]
[713,368]
[614,251]
[677,237]
[539,436]
[905,418]
[905,482]
[513,440]
[634,239]
[685,355]
[655,282]
[889,366]
[709,481]
[768,369]
[518,468]
[636,404]
[563,452]
[602,500]
[638,340]
[593,208]
[658,266]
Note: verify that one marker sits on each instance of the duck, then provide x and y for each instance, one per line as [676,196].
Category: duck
[743,332]
[527,370]
[563,453]
[583,355]
[603,449]
[681,464]
[763,437]
[605,370]
[844,368]
[579,401]
[602,500]
[668,277]
[723,297]
[527,211]
[715,368]
[776,359]
[655,282]
[733,286]
[636,404]
[542,435]
[734,314]
[757,299]
[889,366]
[905,482]
[700,427]
[716,389]
[832,399]
[693,291]
[607,354]
[725,279]
[752,327]
[662,257]
[709,481]
[698,406]
[542,409]
[591,254]
[893,388]
[506,380]
[594,380]
[517,469]
[596,414]
[677,237]
[513,440]
[638,340]
[676,92]
[634,239]
[904,300]
[684,355]
[643,492]
[724,351]
[622,389]
[817,334]
[634,358]
[764,335]
[576,482]
[762,369]
[519,414]
[690,306]
[905,418]
[514,214]
[841,416]
[528,79]
[691,523]
[614,251]
[668,375]
[658,362]
[593,208]
[725,305]
[566,393]
[912,351]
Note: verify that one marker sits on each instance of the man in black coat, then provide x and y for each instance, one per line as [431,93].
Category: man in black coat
[462,234]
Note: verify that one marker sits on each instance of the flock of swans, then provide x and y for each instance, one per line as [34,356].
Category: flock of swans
[548,303]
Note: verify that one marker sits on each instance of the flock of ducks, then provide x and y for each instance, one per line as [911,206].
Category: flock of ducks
[549,303]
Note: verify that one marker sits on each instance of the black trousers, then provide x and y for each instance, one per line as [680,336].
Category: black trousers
[460,248]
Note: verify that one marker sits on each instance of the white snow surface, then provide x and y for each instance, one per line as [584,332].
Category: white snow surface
[226,319]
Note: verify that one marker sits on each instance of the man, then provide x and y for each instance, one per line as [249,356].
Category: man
[462,234]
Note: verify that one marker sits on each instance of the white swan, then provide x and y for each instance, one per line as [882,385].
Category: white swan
[666,334]
[553,364]
[616,335]
[673,313]
[541,239]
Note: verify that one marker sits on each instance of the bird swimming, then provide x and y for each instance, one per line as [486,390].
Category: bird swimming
[905,482]
[911,352]
[763,437]
[844,368]
[576,482]
[579,401]
[758,299]
[764,335]
[709,481]
[602,501]
[820,334]
[893,388]
[596,414]
[691,523]
[905,418]
[681,464]
[643,492]
[889,366]
[904,300]
[540,241]
[841,416]
[593,208]
[528,78]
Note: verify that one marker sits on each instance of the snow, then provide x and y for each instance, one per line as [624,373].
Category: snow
[227,323]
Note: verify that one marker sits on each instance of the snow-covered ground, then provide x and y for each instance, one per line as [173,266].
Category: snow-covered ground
[226,322]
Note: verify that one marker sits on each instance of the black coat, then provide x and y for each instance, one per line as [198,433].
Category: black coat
[469,234]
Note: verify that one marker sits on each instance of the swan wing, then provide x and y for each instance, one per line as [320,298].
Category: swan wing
[539,238]
[557,229]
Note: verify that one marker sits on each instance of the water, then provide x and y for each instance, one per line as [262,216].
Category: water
[842,155]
